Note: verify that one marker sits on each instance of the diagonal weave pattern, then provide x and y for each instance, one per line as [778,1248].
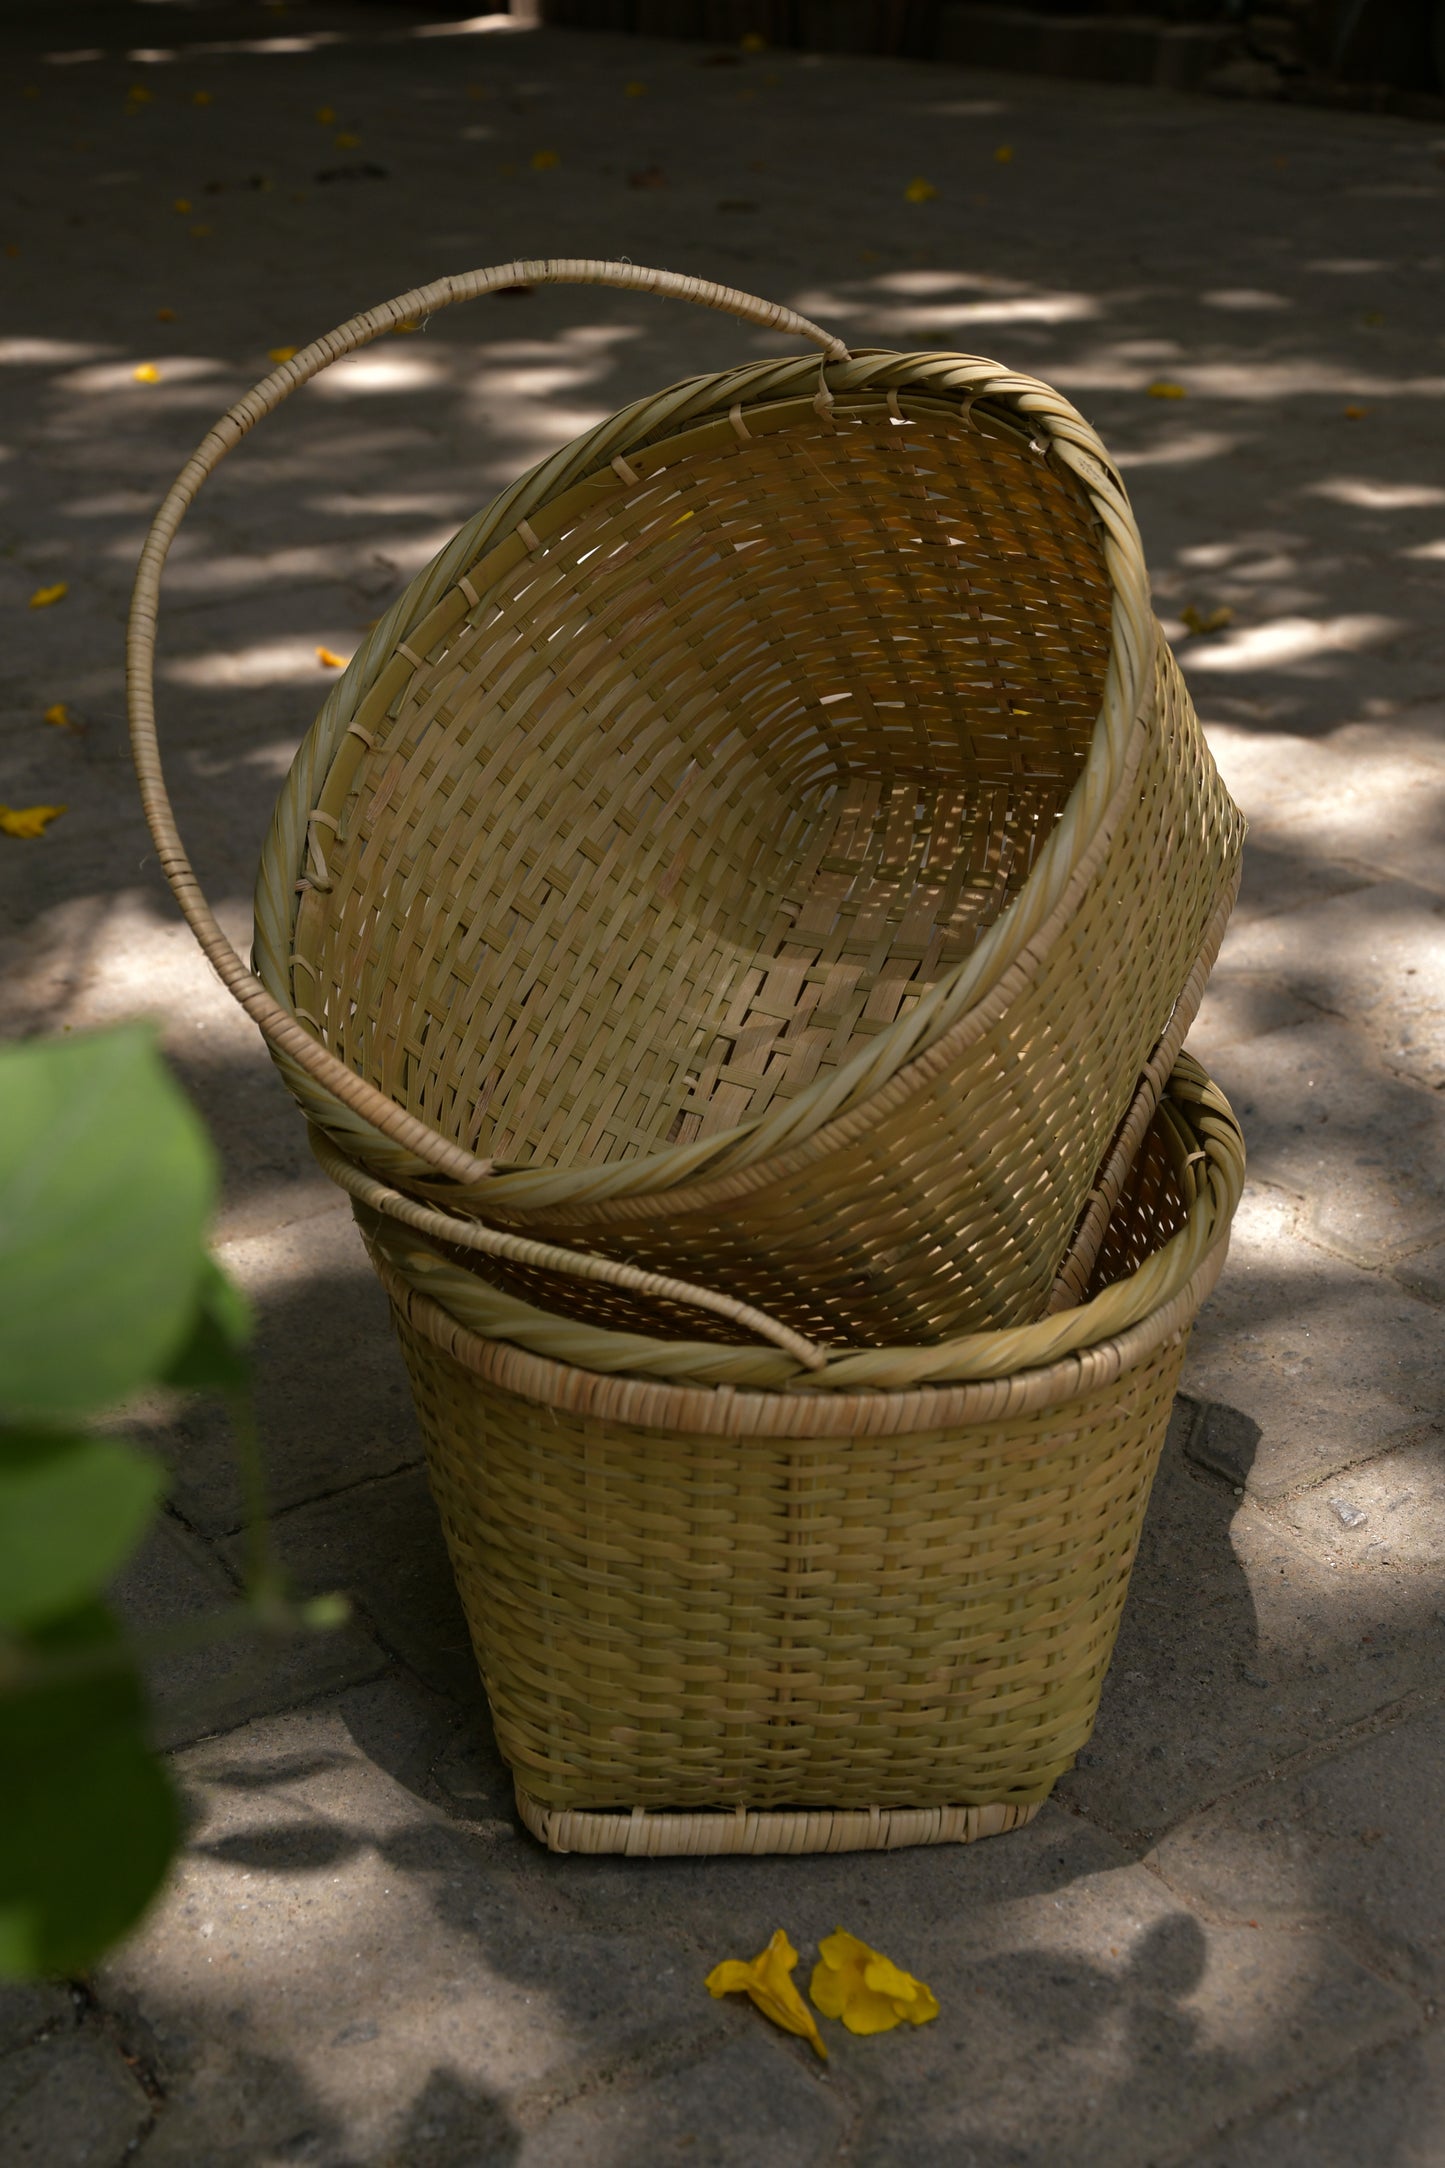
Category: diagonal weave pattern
[701,1600]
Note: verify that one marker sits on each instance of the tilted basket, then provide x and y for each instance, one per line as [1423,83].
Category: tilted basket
[765,846]
[862,1607]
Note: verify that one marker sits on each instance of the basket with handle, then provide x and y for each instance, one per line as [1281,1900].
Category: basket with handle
[724,1602]
[762,848]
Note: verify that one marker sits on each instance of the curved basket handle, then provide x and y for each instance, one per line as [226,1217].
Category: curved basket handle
[470,1234]
[279,1027]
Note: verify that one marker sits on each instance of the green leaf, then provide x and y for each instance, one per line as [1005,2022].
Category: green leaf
[71,1512]
[88,1820]
[212,1356]
[106,1180]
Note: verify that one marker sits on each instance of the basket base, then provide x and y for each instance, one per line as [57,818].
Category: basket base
[641,1834]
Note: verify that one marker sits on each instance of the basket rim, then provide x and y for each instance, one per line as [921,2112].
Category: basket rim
[840,1103]
[1187,1266]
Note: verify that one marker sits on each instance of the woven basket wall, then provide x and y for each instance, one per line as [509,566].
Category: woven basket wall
[711,1619]
[736,841]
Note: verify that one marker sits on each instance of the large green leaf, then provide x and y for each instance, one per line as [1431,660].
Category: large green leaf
[71,1512]
[106,1179]
[88,1820]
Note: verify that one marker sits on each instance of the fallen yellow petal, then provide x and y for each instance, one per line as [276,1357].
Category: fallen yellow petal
[347,142]
[326,114]
[1161,388]
[28,820]
[165,316]
[1004,154]
[543,161]
[407,324]
[200,233]
[200,97]
[183,204]
[280,353]
[919,191]
[147,373]
[866,1989]
[44,596]
[58,716]
[767,1982]
[1356,413]
[328,661]
[1200,621]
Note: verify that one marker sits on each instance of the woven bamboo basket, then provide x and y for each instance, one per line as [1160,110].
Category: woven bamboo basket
[764,847]
[861,1607]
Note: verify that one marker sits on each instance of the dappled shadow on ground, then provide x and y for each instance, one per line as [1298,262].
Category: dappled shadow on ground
[1219,293]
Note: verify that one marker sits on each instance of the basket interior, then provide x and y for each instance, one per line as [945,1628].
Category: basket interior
[708,778]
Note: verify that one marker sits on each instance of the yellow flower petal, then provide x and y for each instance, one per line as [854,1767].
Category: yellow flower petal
[346,141]
[44,596]
[1004,154]
[1356,413]
[767,1982]
[1200,621]
[328,661]
[326,114]
[280,353]
[919,191]
[200,97]
[1161,388]
[147,373]
[543,161]
[200,233]
[183,204]
[28,820]
[165,316]
[865,1989]
[58,716]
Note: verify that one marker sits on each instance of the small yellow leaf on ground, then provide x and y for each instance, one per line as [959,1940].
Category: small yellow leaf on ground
[543,161]
[634,90]
[867,1990]
[44,596]
[1356,413]
[767,1982]
[326,114]
[346,141]
[1161,388]
[280,353]
[183,204]
[328,661]
[753,42]
[58,716]
[919,191]
[1201,621]
[165,316]
[200,97]
[28,820]
[147,373]
[1003,156]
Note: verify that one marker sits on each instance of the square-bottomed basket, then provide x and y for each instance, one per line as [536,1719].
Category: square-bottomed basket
[868,1607]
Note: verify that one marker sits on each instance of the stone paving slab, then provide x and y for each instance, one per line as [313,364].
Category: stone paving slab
[1102,2000]
[1354,1837]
